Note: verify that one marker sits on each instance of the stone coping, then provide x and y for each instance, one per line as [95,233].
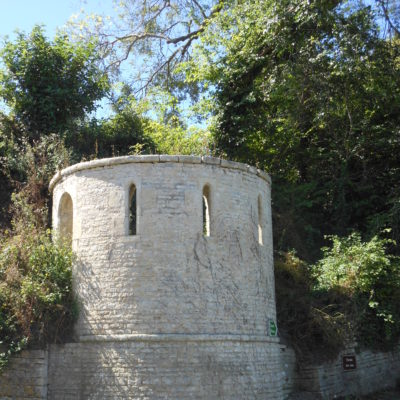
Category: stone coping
[162,158]
[177,337]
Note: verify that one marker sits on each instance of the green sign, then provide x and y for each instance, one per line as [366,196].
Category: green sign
[273,330]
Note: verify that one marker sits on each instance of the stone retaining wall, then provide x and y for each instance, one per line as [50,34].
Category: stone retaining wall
[374,371]
[201,368]
[25,376]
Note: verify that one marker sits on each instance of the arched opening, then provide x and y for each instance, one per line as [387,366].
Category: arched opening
[260,219]
[65,217]
[132,210]
[206,210]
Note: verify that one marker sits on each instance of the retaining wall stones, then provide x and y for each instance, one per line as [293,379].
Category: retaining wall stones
[25,376]
[177,368]
[374,371]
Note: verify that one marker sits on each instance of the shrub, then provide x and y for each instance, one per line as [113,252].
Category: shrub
[371,277]
[37,304]
[314,325]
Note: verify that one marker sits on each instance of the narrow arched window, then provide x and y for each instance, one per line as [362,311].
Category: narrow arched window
[65,217]
[206,210]
[132,210]
[260,219]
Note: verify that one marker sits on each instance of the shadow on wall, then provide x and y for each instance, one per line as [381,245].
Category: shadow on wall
[86,281]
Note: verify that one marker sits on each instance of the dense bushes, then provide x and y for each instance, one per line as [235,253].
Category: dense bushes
[352,293]
[371,277]
[37,304]
[314,325]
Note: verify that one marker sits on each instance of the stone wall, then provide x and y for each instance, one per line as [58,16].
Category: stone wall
[169,277]
[166,369]
[178,368]
[170,311]
[374,371]
[25,376]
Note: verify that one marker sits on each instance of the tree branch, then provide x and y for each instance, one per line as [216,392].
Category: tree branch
[387,16]
[200,8]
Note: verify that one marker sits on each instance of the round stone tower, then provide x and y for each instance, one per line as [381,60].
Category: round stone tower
[174,276]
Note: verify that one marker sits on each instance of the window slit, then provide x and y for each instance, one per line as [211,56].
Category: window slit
[260,218]
[206,210]
[132,210]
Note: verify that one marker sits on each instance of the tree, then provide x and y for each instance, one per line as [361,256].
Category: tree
[310,92]
[390,10]
[48,84]
[156,36]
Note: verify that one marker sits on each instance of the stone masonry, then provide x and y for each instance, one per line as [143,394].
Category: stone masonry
[168,312]
[180,303]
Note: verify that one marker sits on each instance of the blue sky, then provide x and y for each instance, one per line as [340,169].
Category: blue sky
[24,14]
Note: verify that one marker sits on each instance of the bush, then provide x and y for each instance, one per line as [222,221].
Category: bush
[37,304]
[371,277]
[314,325]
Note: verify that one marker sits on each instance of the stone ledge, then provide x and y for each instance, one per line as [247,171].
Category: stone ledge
[168,158]
[211,160]
[178,337]
[107,162]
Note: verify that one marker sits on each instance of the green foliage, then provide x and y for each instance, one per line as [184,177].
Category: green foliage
[37,161]
[149,126]
[110,137]
[298,219]
[37,304]
[309,91]
[371,277]
[49,84]
[173,138]
[161,123]
[352,293]
[30,167]
[315,325]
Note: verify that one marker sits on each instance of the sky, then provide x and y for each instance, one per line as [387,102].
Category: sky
[24,14]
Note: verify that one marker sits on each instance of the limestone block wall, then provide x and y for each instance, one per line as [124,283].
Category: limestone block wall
[374,371]
[169,277]
[180,305]
[166,370]
[25,376]
[211,368]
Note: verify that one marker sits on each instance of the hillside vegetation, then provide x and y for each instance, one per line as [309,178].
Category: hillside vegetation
[308,91]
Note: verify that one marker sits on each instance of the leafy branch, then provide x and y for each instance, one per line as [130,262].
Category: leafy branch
[157,34]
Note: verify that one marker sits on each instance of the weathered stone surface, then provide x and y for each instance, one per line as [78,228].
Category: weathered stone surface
[25,377]
[169,278]
[106,162]
[168,158]
[211,160]
[168,289]
[158,370]
[188,366]
[374,371]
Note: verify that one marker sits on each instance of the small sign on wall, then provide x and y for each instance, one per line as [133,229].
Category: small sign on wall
[272,328]
[349,362]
